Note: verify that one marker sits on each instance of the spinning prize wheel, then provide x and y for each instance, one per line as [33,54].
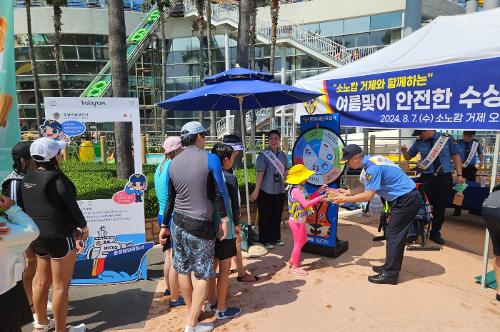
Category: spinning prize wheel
[320,150]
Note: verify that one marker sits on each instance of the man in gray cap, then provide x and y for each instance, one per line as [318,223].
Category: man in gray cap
[381,176]
[195,186]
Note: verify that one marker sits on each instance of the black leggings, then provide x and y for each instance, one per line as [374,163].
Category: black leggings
[270,208]
[437,188]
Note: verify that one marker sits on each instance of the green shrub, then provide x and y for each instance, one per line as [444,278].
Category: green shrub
[98,181]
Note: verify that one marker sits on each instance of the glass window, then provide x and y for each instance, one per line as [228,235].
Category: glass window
[181,44]
[385,21]
[306,62]
[22,53]
[86,52]
[69,52]
[300,74]
[333,28]
[44,53]
[357,40]
[262,65]
[101,53]
[183,84]
[359,24]
[46,67]
[384,37]
[314,27]
[23,68]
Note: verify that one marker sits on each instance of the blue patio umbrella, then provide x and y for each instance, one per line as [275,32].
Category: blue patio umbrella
[238,89]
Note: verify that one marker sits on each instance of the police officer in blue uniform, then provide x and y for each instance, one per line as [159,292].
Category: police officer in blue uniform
[436,173]
[469,170]
[386,179]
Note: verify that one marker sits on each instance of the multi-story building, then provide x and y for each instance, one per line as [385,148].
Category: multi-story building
[313,36]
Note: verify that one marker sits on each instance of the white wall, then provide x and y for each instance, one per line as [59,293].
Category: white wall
[75,20]
[327,10]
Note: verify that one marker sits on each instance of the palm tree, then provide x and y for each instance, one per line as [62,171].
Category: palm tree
[199,27]
[34,65]
[242,50]
[275,8]
[119,81]
[162,4]
[213,115]
[56,5]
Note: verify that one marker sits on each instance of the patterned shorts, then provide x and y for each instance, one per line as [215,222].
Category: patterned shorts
[192,254]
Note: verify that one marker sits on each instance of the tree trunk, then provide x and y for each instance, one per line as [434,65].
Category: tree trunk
[163,68]
[275,7]
[253,33]
[242,54]
[213,114]
[34,65]
[119,81]
[57,44]
[199,27]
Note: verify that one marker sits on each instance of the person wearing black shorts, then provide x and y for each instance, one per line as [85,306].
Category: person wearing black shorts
[49,197]
[225,249]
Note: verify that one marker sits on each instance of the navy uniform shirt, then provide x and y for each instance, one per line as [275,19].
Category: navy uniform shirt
[465,147]
[386,178]
[424,147]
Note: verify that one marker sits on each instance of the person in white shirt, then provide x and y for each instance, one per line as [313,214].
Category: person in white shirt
[17,231]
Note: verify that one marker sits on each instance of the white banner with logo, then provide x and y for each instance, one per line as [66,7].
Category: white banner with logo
[116,248]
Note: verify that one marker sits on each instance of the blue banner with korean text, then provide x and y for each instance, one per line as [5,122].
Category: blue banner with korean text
[464,95]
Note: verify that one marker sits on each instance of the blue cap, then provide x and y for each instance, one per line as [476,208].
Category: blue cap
[193,128]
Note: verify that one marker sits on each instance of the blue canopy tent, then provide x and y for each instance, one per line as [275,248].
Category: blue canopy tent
[238,89]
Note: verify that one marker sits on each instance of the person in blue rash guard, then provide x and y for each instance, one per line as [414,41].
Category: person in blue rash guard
[195,186]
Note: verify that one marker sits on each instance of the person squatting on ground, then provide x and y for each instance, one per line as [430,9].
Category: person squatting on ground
[17,230]
[11,187]
[436,151]
[195,184]
[469,149]
[234,141]
[172,147]
[384,178]
[272,168]
[49,197]
[225,249]
[299,207]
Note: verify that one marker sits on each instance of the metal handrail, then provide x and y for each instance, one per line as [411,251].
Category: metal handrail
[289,30]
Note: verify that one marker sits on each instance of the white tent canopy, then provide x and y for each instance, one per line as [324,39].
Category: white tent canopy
[447,39]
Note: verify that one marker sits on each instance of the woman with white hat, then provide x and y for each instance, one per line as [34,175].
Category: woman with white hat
[50,200]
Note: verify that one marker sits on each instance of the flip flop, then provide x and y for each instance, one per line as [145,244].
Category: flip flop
[242,279]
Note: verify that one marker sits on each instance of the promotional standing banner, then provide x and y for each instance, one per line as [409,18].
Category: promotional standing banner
[433,97]
[319,148]
[9,120]
[116,248]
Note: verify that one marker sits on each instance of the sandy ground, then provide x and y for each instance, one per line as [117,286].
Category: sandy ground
[436,290]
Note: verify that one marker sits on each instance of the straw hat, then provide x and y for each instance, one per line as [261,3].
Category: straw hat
[297,174]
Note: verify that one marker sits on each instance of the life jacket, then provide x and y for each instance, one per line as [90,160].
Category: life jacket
[50,217]
[295,210]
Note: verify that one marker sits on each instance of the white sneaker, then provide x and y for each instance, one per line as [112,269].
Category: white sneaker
[201,327]
[41,327]
[78,328]
[204,327]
